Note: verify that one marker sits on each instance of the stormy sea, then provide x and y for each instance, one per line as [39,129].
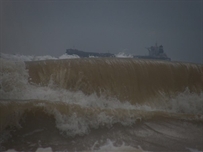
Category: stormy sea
[100,104]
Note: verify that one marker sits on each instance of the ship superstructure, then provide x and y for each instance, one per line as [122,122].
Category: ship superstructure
[155,52]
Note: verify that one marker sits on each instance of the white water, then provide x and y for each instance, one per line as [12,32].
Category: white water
[19,57]
[14,86]
[107,147]
[123,55]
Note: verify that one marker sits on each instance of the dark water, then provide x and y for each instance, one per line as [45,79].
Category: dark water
[101,105]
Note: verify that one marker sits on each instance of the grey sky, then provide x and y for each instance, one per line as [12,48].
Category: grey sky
[38,27]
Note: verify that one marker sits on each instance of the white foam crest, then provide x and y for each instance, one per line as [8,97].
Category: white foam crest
[79,98]
[20,57]
[91,56]
[11,150]
[71,125]
[193,150]
[13,78]
[185,102]
[110,146]
[45,57]
[16,57]
[123,55]
[75,124]
[48,149]
[66,56]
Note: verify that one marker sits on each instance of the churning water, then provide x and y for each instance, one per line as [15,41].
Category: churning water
[100,104]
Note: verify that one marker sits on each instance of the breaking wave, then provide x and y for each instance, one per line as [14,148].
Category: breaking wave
[79,96]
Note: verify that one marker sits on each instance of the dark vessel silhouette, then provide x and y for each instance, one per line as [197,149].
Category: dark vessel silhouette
[155,52]
[83,54]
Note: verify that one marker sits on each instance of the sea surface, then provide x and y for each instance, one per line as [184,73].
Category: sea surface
[100,104]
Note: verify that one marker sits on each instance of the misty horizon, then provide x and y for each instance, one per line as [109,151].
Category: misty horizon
[51,27]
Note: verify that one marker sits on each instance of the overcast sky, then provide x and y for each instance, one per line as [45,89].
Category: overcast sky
[43,27]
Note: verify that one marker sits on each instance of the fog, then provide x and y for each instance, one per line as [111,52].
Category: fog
[51,27]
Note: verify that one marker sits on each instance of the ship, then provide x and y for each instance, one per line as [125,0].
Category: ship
[155,52]
[84,54]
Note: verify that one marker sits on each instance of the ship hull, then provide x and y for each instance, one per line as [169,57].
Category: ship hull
[152,58]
